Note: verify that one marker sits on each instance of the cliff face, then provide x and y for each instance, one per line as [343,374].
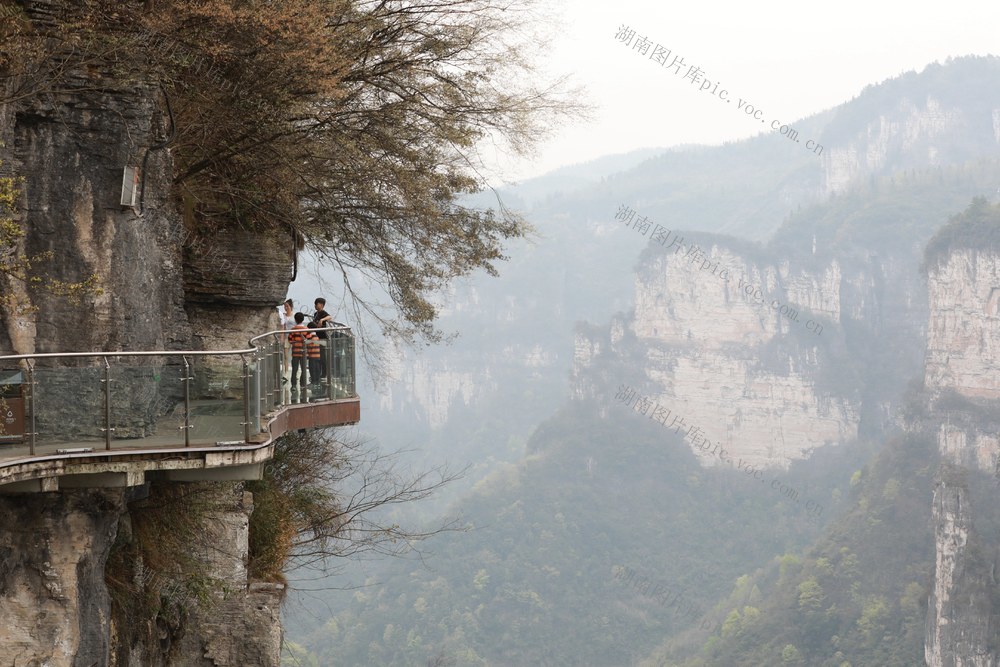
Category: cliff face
[963,620]
[735,347]
[704,335]
[962,624]
[160,287]
[71,150]
[913,126]
[916,132]
[224,621]
[55,605]
[963,339]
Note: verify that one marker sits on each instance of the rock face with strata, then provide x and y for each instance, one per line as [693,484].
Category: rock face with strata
[157,289]
[962,624]
[919,131]
[701,326]
[963,339]
[54,605]
[963,621]
[71,151]
[232,623]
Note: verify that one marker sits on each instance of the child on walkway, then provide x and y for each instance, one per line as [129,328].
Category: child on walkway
[298,337]
[315,359]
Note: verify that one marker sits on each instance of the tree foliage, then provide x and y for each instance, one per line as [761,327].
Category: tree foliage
[322,498]
[352,124]
[976,228]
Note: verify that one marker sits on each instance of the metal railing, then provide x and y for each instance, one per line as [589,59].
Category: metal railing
[61,402]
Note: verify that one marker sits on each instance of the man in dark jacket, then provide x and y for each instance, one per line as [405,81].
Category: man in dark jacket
[322,319]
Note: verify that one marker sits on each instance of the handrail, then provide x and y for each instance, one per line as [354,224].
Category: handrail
[162,353]
[122,353]
[288,331]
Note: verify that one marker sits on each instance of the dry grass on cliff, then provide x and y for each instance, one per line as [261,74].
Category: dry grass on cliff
[323,498]
[153,572]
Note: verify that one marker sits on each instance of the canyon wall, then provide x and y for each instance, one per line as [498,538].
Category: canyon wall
[156,286]
[963,618]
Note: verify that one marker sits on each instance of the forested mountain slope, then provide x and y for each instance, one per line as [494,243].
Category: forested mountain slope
[569,544]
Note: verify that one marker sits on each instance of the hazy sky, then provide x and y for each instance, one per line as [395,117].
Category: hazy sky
[789,59]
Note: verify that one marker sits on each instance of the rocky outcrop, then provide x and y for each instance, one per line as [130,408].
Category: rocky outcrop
[227,621]
[54,605]
[238,267]
[920,131]
[426,391]
[962,625]
[963,618]
[236,623]
[963,339]
[155,288]
[56,608]
[733,300]
[701,328]
[71,150]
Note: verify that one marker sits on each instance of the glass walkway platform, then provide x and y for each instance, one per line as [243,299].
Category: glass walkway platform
[105,419]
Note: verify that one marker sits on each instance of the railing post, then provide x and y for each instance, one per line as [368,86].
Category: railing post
[262,394]
[246,399]
[107,404]
[351,388]
[279,371]
[330,352]
[187,402]
[31,406]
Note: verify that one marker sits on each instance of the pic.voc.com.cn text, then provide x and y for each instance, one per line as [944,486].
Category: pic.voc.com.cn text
[695,254]
[667,59]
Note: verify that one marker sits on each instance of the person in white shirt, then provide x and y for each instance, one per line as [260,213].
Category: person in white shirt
[287,315]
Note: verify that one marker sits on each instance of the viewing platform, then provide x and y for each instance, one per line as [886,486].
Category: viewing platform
[117,419]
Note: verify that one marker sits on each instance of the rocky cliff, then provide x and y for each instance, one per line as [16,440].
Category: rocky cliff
[746,345]
[916,131]
[55,606]
[963,339]
[963,621]
[203,611]
[159,285]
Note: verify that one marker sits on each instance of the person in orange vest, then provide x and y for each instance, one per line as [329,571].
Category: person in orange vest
[313,348]
[297,338]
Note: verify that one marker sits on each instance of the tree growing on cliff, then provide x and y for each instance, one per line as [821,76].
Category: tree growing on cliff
[299,520]
[352,124]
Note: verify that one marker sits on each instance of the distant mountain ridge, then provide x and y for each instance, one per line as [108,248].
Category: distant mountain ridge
[841,235]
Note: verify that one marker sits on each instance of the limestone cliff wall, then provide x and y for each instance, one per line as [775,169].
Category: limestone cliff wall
[918,131]
[70,150]
[747,345]
[962,626]
[963,354]
[54,605]
[962,360]
[426,391]
[703,336]
[161,286]
[963,339]
[227,622]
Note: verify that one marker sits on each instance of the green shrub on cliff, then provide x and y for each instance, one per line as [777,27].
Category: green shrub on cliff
[976,228]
